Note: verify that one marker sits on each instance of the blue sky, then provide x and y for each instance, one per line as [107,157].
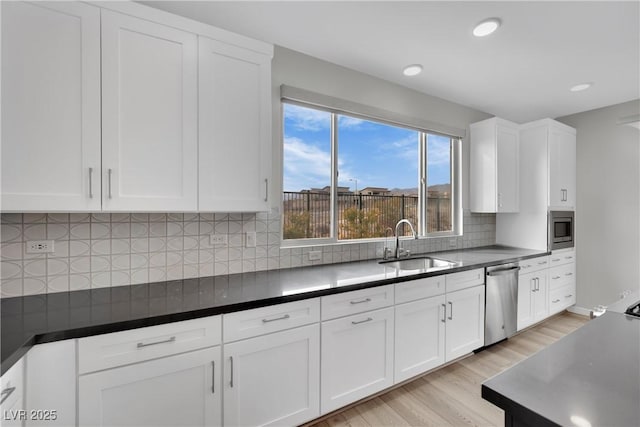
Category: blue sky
[374,154]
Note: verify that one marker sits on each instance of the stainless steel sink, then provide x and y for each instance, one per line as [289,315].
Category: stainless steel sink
[424,263]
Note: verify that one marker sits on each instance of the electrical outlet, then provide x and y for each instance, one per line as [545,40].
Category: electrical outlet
[40,246]
[250,239]
[218,239]
[315,255]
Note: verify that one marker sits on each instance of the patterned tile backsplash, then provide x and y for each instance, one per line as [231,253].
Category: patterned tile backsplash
[102,249]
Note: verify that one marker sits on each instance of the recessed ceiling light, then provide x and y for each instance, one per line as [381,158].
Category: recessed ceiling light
[412,70]
[580,87]
[486,27]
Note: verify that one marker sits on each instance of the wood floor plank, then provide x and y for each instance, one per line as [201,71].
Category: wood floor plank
[450,396]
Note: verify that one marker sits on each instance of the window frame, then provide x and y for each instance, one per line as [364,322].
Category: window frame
[455,179]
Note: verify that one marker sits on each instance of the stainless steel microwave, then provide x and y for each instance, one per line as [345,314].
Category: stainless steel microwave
[561,229]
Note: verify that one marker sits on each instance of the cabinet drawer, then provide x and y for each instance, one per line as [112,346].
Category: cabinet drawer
[418,289]
[534,264]
[559,258]
[464,279]
[137,345]
[561,275]
[274,318]
[561,298]
[356,302]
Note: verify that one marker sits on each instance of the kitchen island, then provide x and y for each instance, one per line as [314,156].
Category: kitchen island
[589,378]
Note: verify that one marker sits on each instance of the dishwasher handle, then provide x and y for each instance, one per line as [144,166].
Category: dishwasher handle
[503,272]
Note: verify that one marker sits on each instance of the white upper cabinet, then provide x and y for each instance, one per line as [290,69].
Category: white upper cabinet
[562,167]
[549,172]
[149,128]
[494,166]
[234,127]
[50,106]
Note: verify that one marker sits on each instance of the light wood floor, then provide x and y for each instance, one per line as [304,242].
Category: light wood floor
[450,396]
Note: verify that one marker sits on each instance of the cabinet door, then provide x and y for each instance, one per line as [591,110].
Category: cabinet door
[273,379]
[235,127]
[182,390]
[419,337]
[562,168]
[540,296]
[357,357]
[465,322]
[526,287]
[149,101]
[50,106]
[12,397]
[507,169]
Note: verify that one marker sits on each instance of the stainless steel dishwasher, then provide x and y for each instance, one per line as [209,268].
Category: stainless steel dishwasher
[501,303]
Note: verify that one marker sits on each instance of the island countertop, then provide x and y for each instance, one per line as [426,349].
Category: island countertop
[44,318]
[591,377]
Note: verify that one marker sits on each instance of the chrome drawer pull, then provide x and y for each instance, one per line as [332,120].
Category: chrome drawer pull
[568,257]
[6,393]
[542,262]
[568,274]
[360,302]
[568,296]
[141,345]
[555,301]
[368,319]
[555,260]
[555,277]
[286,316]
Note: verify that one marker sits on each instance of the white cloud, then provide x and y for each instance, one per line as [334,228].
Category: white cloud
[439,151]
[305,165]
[349,122]
[306,118]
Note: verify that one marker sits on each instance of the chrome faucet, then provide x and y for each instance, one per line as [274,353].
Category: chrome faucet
[399,251]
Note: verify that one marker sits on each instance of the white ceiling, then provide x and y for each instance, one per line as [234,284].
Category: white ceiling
[522,72]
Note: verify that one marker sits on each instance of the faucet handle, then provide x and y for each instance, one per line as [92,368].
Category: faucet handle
[403,252]
[386,253]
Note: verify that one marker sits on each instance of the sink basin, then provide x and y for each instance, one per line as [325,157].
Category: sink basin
[425,263]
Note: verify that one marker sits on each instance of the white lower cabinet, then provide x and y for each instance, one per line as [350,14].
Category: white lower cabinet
[464,312]
[419,337]
[181,390]
[357,357]
[273,379]
[532,298]
[12,396]
[52,390]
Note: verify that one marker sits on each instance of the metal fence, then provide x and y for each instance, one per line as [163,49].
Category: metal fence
[308,215]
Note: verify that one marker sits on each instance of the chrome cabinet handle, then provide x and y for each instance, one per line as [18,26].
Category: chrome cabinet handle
[368,319]
[6,393]
[91,183]
[555,260]
[555,301]
[444,313]
[266,189]
[537,284]
[286,316]
[141,345]
[555,277]
[542,262]
[568,274]
[360,302]
[568,296]
[231,362]
[450,311]
[532,284]
[110,172]
[213,376]
[568,257]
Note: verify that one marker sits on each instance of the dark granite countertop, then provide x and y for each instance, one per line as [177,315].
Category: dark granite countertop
[35,319]
[590,377]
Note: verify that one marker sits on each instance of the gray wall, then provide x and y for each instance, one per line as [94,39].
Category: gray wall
[305,72]
[608,204]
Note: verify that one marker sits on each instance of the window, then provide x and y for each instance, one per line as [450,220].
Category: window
[348,178]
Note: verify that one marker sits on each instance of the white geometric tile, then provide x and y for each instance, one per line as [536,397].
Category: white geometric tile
[120,262]
[157,244]
[190,243]
[139,261]
[100,231]
[32,218]
[10,270]
[100,217]
[140,245]
[158,259]
[80,264]
[79,248]
[79,217]
[35,268]
[175,243]
[58,284]
[53,218]
[157,274]
[120,278]
[11,218]
[11,288]
[58,266]
[11,251]
[100,247]
[101,280]
[80,231]
[35,232]
[139,229]
[120,230]
[33,286]
[120,217]
[139,276]
[120,246]
[157,217]
[79,281]
[100,264]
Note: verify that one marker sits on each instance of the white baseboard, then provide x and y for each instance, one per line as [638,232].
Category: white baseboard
[579,310]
